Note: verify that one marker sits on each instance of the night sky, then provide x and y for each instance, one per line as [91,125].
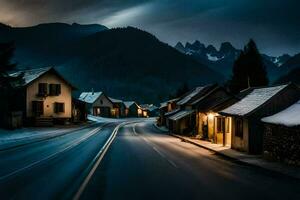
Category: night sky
[274,24]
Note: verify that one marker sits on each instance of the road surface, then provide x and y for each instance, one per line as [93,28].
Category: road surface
[141,163]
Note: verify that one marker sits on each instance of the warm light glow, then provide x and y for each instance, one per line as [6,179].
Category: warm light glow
[210,116]
[140,112]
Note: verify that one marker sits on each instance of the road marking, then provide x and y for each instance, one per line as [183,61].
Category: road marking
[87,136]
[97,160]
[134,131]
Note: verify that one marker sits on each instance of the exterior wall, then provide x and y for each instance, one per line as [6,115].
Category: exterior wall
[65,97]
[282,144]
[238,143]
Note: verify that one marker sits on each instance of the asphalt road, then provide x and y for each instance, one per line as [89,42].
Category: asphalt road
[144,163]
[52,168]
[141,163]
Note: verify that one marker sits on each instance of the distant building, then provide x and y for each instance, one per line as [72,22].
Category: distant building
[132,109]
[118,108]
[166,109]
[149,110]
[245,115]
[44,96]
[98,104]
[282,135]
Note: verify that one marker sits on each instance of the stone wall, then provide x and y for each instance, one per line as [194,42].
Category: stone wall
[282,144]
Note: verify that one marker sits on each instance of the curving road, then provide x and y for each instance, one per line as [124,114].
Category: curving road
[141,163]
[144,163]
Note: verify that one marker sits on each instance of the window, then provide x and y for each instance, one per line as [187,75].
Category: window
[43,89]
[54,89]
[37,108]
[227,125]
[220,125]
[239,128]
[59,107]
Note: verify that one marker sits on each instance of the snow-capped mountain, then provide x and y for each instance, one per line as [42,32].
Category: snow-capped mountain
[222,59]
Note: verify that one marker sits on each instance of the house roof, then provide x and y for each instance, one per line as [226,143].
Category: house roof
[149,107]
[30,75]
[128,104]
[194,94]
[252,101]
[89,97]
[288,117]
[172,112]
[181,114]
[115,100]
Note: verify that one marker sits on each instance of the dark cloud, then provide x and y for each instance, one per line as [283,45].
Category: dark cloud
[274,24]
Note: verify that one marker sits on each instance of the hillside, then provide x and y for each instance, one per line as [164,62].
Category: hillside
[127,63]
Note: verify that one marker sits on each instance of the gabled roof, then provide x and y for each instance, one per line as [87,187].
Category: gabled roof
[89,97]
[193,94]
[288,117]
[252,101]
[115,100]
[33,74]
[149,107]
[128,104]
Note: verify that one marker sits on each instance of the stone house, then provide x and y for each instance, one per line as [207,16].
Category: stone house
[282,135]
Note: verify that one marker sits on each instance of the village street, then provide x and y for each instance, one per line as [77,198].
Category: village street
[141,163]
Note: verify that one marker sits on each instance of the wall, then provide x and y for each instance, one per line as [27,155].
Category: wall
[282,143]
[64,97]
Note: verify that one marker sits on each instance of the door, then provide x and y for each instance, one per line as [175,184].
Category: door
[37,108]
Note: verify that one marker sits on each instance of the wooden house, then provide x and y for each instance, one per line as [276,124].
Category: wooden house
[44,96]
[118,108]
[245,115]
[98,104]
[209,124]
[183,119]
[282,135]
[165,110]
[132,109]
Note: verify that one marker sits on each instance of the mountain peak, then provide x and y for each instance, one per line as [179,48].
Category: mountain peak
[226,47]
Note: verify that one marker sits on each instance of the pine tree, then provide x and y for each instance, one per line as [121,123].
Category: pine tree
[6,54]
[248,70]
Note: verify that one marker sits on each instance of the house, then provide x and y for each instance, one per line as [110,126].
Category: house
[98,104]
[132,109]
[245,115]
[149,110]
[118,108]
[44,96]
[183,119]
[166,107]
[282,135]
[209,124]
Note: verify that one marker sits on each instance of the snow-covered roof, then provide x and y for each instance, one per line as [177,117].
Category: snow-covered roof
[162,105]
[181,114]
[128,104]
[90,97]
[115,100]
[172,112]
[288,117]
[33,74]
[149,107]
[253,100]
[190,95]
[30,75]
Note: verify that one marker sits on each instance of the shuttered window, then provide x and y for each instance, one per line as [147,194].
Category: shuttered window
[43,89]
[59,107]
[54,89]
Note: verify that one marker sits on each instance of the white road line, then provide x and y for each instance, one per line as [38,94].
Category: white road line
[91,133]
[97,160]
